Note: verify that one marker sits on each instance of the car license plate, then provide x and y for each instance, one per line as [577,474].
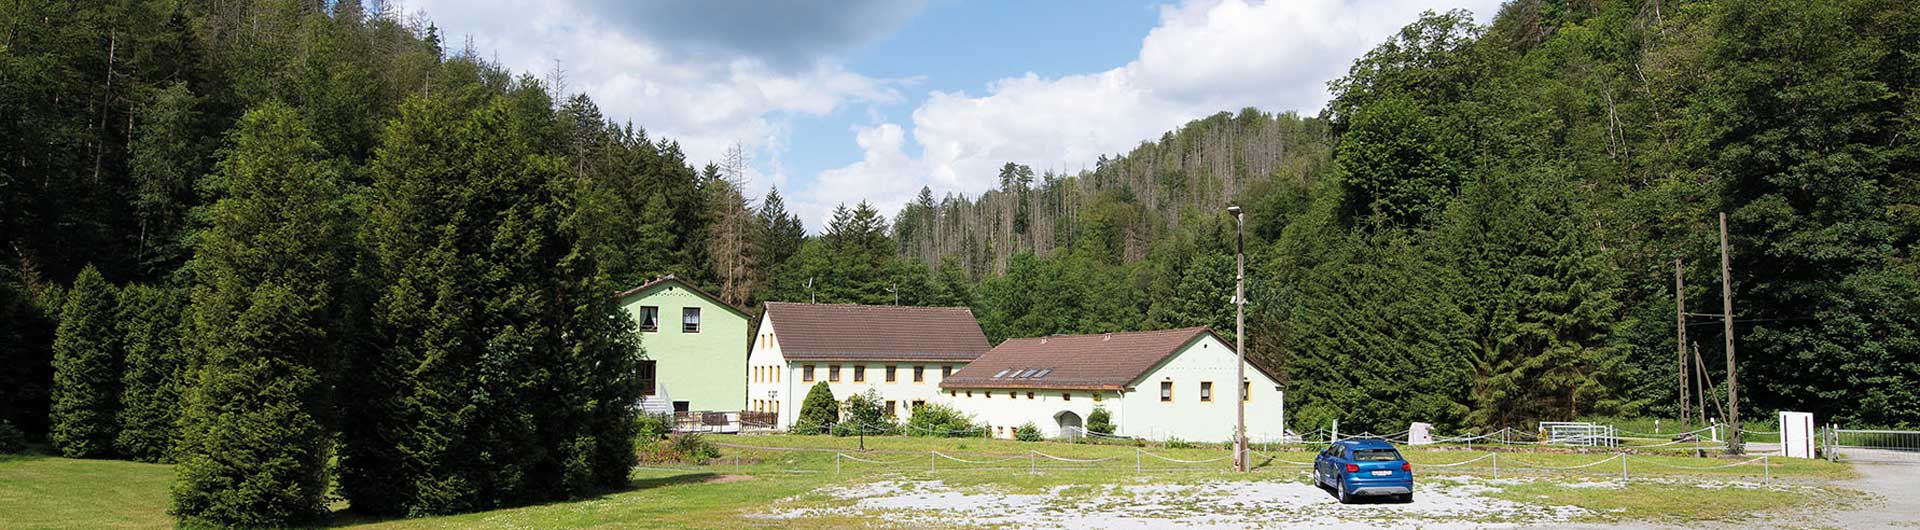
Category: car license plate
[1383,473]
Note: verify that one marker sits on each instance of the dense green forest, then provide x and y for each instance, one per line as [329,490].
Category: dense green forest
[1480,229]
[212,211]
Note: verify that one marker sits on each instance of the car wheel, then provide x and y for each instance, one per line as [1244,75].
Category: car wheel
[1340,490]
[1406,498]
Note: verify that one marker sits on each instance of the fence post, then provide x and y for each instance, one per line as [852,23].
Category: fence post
[1766,462]
[836,464]
[930,461]
[1136,460]
[1496,466]
[1033,463]
[1623,467]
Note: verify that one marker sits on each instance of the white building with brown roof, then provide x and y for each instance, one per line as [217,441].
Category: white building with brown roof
[904,353]
[1157,385]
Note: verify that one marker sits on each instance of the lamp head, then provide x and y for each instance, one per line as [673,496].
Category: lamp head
[1235,210]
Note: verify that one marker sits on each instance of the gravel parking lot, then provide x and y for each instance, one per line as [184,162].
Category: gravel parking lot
[1442,503]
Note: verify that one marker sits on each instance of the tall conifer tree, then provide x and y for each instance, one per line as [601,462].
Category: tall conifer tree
[86,364]
[503,373]
[266,332]
[149,326]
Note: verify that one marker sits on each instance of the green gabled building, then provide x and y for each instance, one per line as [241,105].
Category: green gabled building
[696,347]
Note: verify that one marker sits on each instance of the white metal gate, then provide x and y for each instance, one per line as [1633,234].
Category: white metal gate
[1579,433]
[1861,445]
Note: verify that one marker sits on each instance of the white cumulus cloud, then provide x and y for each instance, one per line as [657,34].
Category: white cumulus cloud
[705,101]
[1204,56]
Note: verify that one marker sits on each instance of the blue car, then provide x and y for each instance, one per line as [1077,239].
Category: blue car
[1357,468]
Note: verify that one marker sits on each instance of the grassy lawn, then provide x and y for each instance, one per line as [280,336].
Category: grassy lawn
[1664,501]
[789,472]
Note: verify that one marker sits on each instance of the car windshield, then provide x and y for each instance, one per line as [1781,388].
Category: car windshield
[1375,455]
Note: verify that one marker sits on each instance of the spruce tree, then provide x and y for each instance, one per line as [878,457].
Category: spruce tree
[502,372]
[819,412]
[266,332]
[780,231]
[149,325]
[1541,296]
[86,369]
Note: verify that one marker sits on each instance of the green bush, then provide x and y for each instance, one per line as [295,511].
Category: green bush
[1100,421]
[679,448]
[862,414]
[939,420]
[819,412]
[1176,443]
[651,427]
[11,439]
[694,445]
[1027,433]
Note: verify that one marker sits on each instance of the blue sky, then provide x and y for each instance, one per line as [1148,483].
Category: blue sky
[849,100]
[976,44]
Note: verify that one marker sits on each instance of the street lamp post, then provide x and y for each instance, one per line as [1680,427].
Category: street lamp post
[1239,338]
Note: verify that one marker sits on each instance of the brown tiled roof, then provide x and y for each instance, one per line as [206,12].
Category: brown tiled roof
[1083,362]
[876,332]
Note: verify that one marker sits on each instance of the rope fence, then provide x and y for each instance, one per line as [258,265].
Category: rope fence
[1145,461]
[1700,439]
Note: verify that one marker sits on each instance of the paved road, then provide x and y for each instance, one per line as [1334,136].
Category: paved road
[1898,486]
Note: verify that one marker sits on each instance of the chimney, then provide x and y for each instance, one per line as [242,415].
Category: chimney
[1106,337]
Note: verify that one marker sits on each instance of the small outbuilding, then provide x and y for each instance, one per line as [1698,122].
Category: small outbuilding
[1156,385]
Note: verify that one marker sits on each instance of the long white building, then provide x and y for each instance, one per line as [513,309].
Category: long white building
[904,353]
[1156,385]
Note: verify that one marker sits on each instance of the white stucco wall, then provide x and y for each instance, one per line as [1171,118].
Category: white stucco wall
[789,388]
[1189,418]
[1002,410]
[764,357]
[1138,412]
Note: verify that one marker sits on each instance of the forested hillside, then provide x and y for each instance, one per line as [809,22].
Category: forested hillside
[1481,228]
[1478,231]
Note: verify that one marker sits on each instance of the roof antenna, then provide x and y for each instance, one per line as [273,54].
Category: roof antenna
[810,290]
[896,293]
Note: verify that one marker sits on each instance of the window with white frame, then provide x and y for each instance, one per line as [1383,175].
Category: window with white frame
[649,318]
[690,320]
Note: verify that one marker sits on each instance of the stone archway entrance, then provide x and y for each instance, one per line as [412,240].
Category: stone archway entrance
[1069,423]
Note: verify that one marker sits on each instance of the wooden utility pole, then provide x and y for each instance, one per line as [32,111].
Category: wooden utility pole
[1726,308]
[1680,336]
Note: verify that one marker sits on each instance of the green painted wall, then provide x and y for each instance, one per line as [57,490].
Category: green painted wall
[706,369]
